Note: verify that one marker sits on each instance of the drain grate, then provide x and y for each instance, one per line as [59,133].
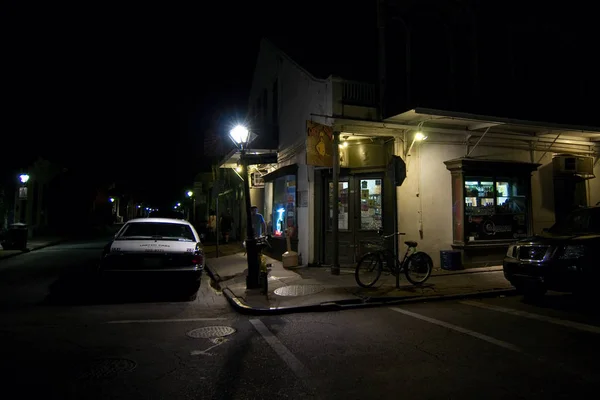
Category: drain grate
[107,368]
[209,332]
[298,290]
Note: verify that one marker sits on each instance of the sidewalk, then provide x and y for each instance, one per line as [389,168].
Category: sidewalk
[33,244]
[210,249]
[311,289]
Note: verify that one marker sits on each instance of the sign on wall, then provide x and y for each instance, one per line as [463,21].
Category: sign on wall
[319,149]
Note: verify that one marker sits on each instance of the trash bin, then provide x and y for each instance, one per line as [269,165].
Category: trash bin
[451,260]
[16,237]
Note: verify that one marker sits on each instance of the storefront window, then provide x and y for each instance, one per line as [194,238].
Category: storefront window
[370,204]
[495,208]
[284,206]
[343,205]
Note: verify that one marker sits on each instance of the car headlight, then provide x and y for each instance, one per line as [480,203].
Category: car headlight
[512,251]
[572,252]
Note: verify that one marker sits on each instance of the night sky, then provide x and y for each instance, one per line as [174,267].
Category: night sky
[126,91]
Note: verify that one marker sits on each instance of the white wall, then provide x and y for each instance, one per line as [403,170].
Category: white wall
[426,194]
[594,187]
[300,96]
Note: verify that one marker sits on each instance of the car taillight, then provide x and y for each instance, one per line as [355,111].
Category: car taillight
[198,259]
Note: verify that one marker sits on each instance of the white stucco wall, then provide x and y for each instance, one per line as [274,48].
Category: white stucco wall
[425,198]
[300,96]
[594,187]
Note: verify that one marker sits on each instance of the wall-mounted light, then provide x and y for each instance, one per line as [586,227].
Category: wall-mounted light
[344,142]
[419,137]
[111,199]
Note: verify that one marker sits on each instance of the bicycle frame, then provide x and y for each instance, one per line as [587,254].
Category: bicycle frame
[387,254]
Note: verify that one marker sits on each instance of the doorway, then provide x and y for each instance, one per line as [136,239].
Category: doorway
[361,215]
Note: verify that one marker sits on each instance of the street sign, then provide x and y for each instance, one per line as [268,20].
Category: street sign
[397,170]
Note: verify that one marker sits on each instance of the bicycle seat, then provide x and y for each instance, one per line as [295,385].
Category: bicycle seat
[410,243]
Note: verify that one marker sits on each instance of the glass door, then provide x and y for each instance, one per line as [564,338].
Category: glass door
[360,216]
[346,207]
[369,212]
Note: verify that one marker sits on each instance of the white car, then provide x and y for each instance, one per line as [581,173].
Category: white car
[157,247]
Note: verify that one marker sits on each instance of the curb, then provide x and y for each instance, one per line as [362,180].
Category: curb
[214,276]
[34,249]
[352,304]
[433,274]
[468,271]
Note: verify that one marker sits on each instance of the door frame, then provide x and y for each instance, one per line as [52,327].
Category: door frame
[354,234]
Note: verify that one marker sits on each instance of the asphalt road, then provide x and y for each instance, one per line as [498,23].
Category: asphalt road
[60,340]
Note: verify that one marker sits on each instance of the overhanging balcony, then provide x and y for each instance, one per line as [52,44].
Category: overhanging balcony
[353,99]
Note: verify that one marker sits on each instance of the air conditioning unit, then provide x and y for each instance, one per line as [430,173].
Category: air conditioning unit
[571,165]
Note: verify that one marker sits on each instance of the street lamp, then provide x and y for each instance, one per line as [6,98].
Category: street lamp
[22,216]
[190,194]
[241,137]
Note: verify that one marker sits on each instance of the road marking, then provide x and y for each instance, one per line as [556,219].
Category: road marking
[152,321]
[557,321]
[216,343]
[292,362]
[456,328]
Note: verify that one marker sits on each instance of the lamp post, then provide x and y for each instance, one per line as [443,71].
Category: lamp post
[190,194]
[241,137]
[23,178]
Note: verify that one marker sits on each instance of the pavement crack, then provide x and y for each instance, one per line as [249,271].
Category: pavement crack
[418,347]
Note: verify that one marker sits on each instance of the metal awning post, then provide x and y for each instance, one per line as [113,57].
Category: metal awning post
[482,136]
[335,267]
[549,147]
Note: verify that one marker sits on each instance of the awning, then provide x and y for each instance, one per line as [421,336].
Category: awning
[278,173]
[479,123]
[254,157]
[527,135]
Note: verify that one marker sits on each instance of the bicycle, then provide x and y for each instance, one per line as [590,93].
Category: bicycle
[375,261]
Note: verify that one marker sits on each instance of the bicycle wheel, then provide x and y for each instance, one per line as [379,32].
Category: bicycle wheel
[368,270]
[417,268]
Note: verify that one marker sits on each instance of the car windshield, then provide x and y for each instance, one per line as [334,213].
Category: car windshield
[583,221]
[153,230]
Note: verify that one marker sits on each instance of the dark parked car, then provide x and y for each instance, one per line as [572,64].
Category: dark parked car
[563,258]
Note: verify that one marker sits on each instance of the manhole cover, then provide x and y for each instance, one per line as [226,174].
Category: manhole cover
[298,290]
[208,332]
[107,368]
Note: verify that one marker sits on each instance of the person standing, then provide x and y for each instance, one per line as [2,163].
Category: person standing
[258,222]
[226,224]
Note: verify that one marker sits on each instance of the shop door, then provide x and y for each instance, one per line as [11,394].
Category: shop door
[360,216]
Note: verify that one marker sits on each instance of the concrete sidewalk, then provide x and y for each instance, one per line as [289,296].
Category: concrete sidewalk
[33,244]
[313,288]
[225,249]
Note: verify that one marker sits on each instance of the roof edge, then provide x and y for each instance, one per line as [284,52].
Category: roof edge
[479,117]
